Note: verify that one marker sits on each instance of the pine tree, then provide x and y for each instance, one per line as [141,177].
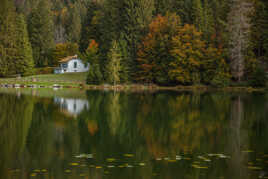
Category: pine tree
[259,31]
[198,15]
[95,75]
[24,62]
[114,64]
[8,41]
[208,26]
[74,25]
[41,33]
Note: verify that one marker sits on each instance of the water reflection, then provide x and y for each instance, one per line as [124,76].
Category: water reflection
[72,107]
[134,135]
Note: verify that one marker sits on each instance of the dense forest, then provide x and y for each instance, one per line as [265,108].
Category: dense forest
[164,42]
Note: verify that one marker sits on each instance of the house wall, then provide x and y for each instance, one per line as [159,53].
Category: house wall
[80,66]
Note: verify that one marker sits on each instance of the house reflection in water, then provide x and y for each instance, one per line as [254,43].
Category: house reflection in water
[72,107]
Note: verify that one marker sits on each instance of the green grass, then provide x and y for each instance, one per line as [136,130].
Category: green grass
[72,79]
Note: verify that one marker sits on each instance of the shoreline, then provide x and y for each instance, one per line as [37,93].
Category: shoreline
[128,87]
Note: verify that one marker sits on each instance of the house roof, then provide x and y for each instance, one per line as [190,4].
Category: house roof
[66,59]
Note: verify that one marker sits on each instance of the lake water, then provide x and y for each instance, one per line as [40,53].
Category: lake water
[139,135]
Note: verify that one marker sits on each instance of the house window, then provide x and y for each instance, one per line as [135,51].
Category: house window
[85,65]
[64,65]
[75,64]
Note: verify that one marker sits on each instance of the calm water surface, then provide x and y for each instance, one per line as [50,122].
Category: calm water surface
[163,135]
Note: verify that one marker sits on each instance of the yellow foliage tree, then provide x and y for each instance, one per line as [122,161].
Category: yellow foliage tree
[188,50]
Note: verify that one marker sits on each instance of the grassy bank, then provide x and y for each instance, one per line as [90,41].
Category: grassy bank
[67,79]
[78,80]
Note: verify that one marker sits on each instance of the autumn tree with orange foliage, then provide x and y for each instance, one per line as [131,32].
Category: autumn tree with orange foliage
[153,54]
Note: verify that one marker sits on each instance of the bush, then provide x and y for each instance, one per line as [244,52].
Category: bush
[94,76]
[258,78]
[220,81]
[44,70]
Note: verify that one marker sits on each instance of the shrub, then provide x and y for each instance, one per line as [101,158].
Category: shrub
[258,78]
[44,70]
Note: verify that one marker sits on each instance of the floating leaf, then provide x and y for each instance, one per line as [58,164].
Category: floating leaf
[82,175]
[92,166]
[111,159]
[67,171]
[98,167]
[254,168]
[158,159]
[44,170]
[128,155]
[121,166]
[37,170]
[204,158]
[74,164]
[178,157]
[33,175]
[84,156]
[83,165]
[142,164]
[250,163]
[187,158]
[247,151]
[110,166]
[199,167]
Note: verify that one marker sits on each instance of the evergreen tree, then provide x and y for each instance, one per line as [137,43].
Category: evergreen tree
[24,62]
[8,41]
[259,31]
[41,33]
[74,25]
[89,28]
[198,15]
[208,26]
[91,55]
[114,65]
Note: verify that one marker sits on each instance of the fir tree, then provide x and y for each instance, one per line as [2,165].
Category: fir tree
[114,64]
[198,16]
[74,26]
[24,61]
[8,41]
[41,33]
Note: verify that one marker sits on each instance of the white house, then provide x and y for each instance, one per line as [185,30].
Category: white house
[71,64]
[72,107]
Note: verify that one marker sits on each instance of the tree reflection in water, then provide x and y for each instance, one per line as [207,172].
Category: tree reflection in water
[151,128]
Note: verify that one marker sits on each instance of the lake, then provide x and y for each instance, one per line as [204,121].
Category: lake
[135,135]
